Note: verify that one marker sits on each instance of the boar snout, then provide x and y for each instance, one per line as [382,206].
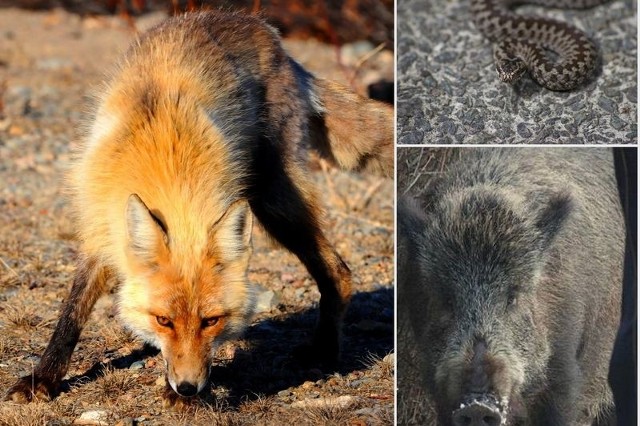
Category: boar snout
[480,410]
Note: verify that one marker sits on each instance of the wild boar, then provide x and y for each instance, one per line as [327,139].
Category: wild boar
[510,269]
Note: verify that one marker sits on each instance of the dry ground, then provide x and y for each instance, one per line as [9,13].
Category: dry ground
[50,63]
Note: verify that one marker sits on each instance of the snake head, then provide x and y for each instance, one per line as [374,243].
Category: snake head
[510,70]
[509,65]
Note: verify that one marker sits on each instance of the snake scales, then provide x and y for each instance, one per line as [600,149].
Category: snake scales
[522,43]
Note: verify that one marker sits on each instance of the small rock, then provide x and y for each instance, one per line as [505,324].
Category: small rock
[366,412]
[352,52]
[524,131]
[357,383]
[93,417]
[307,385]
[343,401]
[266,301]
[138,365]
[617,123]
[608,105]
[285,393]
[286,277]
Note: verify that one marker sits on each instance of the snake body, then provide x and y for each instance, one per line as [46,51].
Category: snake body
[523,43]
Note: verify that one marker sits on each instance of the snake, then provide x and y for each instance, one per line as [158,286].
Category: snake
[523,43]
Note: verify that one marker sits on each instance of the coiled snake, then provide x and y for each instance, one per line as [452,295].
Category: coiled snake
[521,43]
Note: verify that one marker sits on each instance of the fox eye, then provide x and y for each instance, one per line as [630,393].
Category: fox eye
[164,321]
[210,322]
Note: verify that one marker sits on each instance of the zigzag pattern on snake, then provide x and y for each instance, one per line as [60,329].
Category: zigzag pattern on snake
[522,43]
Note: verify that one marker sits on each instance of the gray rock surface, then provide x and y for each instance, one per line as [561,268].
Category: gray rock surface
[449,93]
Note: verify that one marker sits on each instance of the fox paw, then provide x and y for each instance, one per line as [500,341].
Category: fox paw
[31,388]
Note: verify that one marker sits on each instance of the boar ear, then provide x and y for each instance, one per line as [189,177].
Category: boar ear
[146,234]
[551,218]
[411,225]
[231,234]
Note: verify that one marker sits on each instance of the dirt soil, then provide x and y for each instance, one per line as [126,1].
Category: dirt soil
[51,62]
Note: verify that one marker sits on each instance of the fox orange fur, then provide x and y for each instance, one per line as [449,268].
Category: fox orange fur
[200,130]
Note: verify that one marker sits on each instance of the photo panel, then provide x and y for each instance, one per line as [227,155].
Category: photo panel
[488,72]
[516,286]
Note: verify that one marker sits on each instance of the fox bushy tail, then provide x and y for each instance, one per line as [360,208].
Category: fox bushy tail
[354,132]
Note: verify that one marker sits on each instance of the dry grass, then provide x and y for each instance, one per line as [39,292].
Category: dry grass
[25,316]
[35,414]
[417,166]
[383,366]
[114,382]
[327,414]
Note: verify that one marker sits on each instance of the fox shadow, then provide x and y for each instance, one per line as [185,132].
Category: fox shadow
[270,365]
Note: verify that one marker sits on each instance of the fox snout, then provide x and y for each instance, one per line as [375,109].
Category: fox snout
[185,378]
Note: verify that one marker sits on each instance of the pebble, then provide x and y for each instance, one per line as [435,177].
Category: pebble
[343,401]
[138,365]
[285,393]
[389,359]
[93,417]
[617,123]
[366,412]
[351,53]
[357,383]
[308,385]
[266,300]
[524,131]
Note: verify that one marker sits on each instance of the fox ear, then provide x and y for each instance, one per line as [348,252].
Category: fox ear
[145,232]
[231,234]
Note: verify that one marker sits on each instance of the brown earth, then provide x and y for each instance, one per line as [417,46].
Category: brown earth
[50,64]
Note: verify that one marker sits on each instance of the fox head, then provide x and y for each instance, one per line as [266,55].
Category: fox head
[186,292]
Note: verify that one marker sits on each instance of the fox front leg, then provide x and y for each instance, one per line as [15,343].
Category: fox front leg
[44,382]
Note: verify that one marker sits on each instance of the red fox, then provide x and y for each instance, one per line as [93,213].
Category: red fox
[198,131]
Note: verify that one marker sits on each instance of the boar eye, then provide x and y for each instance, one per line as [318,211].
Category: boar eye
[449,302]
[164,321]
[209,322]
[512,299]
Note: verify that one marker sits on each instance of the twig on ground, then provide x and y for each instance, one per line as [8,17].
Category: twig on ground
[363,201]
[363,60]
[9,267]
